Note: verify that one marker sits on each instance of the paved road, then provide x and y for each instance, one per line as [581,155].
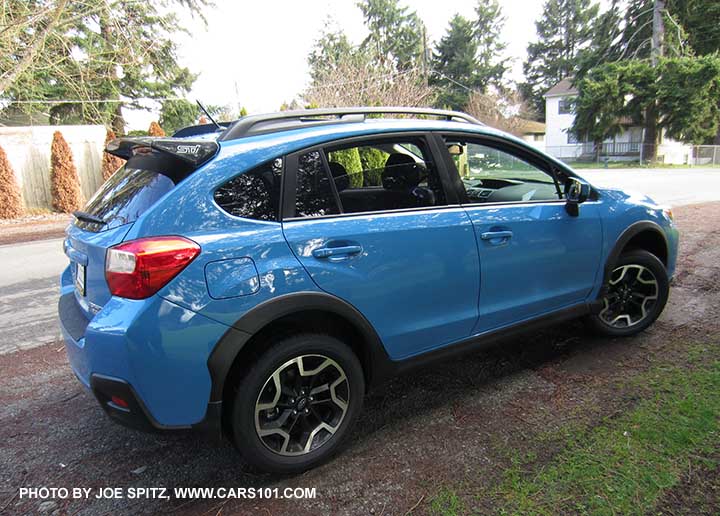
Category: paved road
[29,273]
[29,276]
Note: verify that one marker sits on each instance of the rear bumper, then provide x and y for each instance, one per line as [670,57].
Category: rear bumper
[152,353]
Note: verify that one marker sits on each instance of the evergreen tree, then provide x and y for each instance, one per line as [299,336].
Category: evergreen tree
[396,34]
[563,31]
[489,23]
[65,184]
[10,198]
[455,64]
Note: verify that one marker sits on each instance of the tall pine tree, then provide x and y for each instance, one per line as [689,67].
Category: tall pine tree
[563,31]
[468,57]
[396,34]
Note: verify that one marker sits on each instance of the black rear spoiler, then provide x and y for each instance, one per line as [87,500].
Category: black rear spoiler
[193,152]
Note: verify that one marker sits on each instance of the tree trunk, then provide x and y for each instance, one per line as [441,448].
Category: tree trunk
[650,141]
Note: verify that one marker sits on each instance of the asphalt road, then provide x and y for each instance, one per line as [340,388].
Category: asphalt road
[29,273]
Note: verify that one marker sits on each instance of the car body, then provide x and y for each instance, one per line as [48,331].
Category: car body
[402,272]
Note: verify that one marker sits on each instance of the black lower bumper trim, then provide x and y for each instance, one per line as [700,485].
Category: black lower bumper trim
[136,415]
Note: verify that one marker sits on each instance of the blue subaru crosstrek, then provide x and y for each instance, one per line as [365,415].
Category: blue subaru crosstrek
[255,279]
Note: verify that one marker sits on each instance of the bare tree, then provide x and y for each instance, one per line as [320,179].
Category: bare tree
[358,81]
[498,111]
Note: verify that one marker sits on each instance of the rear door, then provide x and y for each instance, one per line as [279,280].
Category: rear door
[535,258]
[373,223]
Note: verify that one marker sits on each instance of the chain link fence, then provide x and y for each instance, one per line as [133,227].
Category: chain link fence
[617,155]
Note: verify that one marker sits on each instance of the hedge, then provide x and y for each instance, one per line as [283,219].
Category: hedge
[110,163]
[10,199]
[65,184]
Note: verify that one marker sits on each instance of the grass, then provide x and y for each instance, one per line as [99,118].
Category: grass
[625,464]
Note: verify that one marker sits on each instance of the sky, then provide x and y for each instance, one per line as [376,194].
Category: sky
[254,54]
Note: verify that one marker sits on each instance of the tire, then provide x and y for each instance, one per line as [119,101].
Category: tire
[310,369]
[631,283]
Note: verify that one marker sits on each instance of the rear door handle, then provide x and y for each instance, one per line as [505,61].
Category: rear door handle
[495,235]
[327,252]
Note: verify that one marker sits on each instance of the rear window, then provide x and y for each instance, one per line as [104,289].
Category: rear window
[125,196]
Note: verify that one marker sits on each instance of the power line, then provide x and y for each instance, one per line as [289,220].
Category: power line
[91,101]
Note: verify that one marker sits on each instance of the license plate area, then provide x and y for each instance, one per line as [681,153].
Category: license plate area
[80,279]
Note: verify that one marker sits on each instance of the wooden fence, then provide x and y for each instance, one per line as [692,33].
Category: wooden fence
[28,149]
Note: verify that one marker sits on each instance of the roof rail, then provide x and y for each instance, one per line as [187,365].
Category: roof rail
[286,120]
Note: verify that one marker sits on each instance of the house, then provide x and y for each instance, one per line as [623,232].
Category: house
[625,146]
[532,132]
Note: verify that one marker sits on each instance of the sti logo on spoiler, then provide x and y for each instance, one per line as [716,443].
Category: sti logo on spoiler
[188,149]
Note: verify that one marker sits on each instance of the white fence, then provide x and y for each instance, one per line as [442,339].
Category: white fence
[28,149]
[630,152]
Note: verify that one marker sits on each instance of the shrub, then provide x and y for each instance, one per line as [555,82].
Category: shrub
[373,163]
[350,159]
[66,194]
[155,130]
[110,163]
[10,198]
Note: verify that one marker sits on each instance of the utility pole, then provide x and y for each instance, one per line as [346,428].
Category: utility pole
[425,55]
[656,52]
[658,35]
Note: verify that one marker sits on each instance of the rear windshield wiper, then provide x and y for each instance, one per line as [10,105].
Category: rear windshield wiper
[88,217]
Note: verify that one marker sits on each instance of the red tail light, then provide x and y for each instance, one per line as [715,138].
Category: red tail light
[139,268]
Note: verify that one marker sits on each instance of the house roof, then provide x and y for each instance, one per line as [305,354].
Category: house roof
[530,127]
[562,88]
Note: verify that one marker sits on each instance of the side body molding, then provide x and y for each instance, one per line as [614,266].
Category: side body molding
[232,343]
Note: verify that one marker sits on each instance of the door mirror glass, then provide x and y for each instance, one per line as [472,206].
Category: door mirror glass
[455,149]
[576,190]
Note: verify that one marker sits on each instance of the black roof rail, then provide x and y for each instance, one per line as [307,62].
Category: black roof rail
[286,120]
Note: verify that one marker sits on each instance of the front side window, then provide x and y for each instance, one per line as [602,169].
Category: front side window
[493,175]
[385,175]
[255,194]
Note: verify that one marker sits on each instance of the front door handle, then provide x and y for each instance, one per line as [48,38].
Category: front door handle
[497,235]
[327,252]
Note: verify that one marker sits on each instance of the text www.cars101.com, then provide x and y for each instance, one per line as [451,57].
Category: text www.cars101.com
[164,493]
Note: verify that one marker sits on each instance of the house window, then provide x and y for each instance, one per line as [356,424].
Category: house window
[565,106]
[572,139]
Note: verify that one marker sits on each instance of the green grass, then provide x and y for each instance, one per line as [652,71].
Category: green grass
[624,465]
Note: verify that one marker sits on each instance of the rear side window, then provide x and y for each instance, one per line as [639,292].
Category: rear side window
[254,194]
[125,196]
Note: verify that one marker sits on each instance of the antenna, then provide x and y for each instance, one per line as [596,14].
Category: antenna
[208,115]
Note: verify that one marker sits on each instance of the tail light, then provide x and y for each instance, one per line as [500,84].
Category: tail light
[139,268]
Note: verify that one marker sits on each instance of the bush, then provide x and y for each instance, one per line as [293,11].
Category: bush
[155,130]
[10,198]
[373,163]
[110,163]
[65,184]
[350,159]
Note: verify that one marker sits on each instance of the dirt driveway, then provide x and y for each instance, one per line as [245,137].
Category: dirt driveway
[459,423]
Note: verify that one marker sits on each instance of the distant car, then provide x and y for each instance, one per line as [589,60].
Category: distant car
[258,278]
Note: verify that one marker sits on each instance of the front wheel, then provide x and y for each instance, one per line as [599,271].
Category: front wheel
[635,296]
[296,404]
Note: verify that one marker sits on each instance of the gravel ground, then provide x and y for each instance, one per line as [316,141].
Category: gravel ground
[454,422]
[33,227]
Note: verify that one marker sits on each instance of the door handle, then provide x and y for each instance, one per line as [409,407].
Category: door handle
[495,235]
[327,252]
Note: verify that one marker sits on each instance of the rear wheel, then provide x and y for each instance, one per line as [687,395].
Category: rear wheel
[636,293]
[296,404]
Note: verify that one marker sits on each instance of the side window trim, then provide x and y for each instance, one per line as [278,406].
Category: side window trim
[528,156]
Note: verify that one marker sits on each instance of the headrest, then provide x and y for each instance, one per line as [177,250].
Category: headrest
[342,180]
[401,173]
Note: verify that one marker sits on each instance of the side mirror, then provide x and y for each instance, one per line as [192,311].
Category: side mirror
[577,192]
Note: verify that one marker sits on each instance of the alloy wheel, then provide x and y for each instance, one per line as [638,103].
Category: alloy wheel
[632,293]
[302,405]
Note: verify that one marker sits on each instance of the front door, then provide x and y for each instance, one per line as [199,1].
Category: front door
[372,226]
[534,257]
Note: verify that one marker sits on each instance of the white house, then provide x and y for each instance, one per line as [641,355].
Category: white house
[626,146]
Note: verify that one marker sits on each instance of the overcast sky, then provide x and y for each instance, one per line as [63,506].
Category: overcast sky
[255,53]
